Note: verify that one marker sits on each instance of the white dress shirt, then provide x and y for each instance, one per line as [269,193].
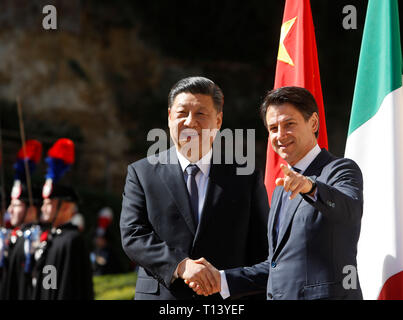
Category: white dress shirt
[304,163]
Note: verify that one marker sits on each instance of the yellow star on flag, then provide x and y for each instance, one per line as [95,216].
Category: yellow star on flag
[282,51]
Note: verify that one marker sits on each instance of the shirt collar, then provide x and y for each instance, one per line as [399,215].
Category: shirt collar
[304,163]
[204,163]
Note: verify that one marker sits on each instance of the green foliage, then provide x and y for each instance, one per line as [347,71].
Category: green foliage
[115,286]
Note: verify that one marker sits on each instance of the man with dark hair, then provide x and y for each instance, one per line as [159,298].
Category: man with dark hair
[198,85]
[186,207]
[315,218]
[300,98]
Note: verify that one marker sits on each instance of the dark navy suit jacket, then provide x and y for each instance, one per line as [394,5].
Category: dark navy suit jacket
[158,229]
[316,241]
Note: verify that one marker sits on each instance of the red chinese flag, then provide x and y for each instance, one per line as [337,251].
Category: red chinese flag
[297,65]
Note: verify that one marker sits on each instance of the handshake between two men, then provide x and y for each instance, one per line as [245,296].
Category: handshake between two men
[200,275]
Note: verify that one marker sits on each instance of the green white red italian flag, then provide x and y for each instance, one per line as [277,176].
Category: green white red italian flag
[375,142]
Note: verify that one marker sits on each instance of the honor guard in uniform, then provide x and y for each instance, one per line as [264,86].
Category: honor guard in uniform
[20,258]
[63,270]
[4,241]
[24,211]
[104,257]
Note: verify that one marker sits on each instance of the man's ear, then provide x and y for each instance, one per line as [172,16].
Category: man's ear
[315,122]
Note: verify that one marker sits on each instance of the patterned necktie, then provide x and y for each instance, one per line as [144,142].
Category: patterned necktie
[191,171]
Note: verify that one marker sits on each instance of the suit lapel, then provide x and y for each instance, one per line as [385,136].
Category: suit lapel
[288,215]
[292,206]
[277,195]
[320,161]
[172,176]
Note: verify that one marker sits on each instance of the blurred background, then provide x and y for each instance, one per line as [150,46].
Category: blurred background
[102,79]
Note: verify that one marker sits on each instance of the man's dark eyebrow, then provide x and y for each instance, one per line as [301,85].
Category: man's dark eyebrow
[202,107]
[285,120]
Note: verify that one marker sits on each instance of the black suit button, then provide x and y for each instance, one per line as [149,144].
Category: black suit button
[331,204]
[273,264]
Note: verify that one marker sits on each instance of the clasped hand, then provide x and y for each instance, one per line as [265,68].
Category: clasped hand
[201,276]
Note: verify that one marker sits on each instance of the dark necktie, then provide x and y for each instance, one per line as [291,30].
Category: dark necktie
[191,171]
[281,211]
[296,170]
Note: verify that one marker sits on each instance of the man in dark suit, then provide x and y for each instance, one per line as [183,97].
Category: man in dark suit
[315,218]
[185,206]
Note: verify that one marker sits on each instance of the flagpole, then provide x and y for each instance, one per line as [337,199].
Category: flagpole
[22,133]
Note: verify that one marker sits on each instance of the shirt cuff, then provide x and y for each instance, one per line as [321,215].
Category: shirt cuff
[315,195]
[224,285]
